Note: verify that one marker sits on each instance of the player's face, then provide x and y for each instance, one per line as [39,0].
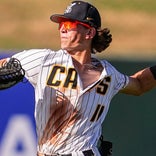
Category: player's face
[73,35]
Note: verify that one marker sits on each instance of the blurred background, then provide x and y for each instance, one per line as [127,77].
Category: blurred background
[130,123]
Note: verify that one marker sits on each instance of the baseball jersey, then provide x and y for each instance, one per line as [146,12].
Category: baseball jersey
[68,116]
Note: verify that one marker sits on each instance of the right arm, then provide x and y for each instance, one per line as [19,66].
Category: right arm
[31,61]
[140,82]
[11,72]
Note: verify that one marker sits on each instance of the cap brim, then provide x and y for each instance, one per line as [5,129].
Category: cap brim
[57,18]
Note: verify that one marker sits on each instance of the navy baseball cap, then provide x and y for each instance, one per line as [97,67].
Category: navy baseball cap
[79,11]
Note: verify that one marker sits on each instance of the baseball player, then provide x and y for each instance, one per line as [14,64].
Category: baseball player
[73,89]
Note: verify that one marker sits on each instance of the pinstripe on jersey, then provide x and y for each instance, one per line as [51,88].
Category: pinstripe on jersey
[68,116]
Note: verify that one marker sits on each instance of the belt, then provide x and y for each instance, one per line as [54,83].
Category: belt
[86,153]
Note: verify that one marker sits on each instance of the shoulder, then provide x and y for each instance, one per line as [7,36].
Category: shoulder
[30,53]
[35,53]
[108,66]
[113,72]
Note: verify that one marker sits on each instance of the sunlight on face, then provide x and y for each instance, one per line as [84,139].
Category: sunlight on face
[73,39]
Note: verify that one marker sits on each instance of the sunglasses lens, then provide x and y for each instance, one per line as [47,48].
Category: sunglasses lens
[68,25]
[72,25]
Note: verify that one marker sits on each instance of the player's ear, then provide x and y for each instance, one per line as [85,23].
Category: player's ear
[90,33]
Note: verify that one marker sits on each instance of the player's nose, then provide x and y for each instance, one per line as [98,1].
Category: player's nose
[62,29]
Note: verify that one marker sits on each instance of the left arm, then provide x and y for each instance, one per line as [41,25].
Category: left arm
[141,82]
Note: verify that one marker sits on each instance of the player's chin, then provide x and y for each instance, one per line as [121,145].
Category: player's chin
[68,46]
[65,47]
[69,50]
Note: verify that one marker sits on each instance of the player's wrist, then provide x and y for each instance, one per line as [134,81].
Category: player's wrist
[153,71]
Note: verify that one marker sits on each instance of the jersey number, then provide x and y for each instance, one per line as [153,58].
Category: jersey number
[98,111]
[101,89]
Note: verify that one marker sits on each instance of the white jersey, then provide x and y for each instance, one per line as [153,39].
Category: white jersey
[68,117]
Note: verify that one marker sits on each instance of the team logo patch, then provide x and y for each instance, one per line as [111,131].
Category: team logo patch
[69,8]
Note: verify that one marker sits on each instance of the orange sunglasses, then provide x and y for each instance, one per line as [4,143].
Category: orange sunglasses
[72,25]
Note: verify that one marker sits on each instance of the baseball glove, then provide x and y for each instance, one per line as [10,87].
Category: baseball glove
[11,73]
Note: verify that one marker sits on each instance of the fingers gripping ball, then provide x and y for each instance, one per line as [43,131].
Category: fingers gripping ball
[11,73]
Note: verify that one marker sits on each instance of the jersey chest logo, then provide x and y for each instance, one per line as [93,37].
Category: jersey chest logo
[61,76]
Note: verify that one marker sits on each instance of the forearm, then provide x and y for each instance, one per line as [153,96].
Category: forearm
[11,73]
[140,82]
[146,80]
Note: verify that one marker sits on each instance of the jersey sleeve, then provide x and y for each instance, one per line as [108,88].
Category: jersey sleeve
[119,80]
[122,81]
[31,61]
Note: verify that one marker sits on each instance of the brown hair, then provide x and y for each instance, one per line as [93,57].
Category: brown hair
[102,40]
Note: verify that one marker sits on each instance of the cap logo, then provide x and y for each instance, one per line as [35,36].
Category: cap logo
[69,8]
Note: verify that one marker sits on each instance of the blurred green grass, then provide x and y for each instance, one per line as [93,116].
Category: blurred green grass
[148,6]
[25,24]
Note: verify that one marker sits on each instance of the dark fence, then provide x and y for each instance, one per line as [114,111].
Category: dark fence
[130,123]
